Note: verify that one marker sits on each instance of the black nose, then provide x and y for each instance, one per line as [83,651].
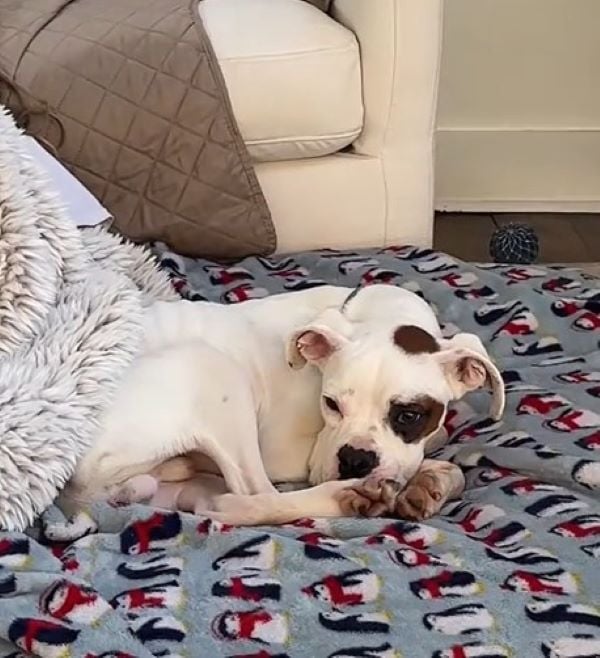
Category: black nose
[356,463]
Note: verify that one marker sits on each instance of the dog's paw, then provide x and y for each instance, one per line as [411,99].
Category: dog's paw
[370,498]
[138,489]
[429,490]
[422,498]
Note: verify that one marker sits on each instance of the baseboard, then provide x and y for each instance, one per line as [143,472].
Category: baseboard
[518,170]
[515,206]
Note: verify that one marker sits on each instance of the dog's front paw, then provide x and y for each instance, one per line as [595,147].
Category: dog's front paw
[422,498]
[370,498]
[429,490]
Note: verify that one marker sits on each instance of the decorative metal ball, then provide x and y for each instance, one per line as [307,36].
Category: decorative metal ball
[514,243]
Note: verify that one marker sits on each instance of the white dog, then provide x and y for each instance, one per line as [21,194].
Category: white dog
[328,385]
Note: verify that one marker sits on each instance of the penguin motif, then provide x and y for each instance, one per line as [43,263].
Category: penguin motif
[553,505]
[165,628]
[14,553]
[574,419]
[460,620]
[256,553]
[446,584]
[484,292]
[152,534]
[73,603]
[211,527]
[349,266]
[242,293]
[523,274]
[577,377]
[435,263]
[381,651]
[413,535]
[8,582]
[41,637]
[153,567]
[537,404]
[378,275]
[346,589]
[355,622]
[318,546]
[479,518]
[587,474]
[525,486]
[522,555]
[257,624]
[560,284]
[508,535]
[225,276]
[590,442]
[160,595]
[248,587]
[556,613]
[473,650]
[580,527]
[410,557]
[458,279]
[521,323]
[552,582]
[577,646]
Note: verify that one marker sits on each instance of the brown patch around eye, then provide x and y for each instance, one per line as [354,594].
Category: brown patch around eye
[435,414]
[414,340]
[430,413]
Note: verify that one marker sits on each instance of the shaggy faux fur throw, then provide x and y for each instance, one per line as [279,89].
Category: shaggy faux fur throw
[70,324]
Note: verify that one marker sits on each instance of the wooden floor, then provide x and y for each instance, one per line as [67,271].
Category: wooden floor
[564,238]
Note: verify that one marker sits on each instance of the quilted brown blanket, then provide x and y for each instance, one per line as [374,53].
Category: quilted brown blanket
[132,97]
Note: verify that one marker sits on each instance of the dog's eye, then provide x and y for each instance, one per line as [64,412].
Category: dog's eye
[408,417]
[331,404]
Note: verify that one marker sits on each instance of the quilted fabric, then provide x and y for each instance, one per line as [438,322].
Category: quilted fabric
[146,120]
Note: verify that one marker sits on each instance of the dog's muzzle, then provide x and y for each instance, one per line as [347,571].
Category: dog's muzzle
[355,462]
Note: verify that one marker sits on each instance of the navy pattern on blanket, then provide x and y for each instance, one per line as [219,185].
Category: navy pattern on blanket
[512,569]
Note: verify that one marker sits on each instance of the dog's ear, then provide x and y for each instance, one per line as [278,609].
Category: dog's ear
[468,366]
[317,341]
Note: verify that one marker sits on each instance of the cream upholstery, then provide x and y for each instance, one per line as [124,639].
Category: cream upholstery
[293,77]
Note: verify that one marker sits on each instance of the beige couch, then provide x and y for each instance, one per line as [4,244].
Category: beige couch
[338,113]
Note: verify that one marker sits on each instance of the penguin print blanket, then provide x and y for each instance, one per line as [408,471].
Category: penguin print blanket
[512,569]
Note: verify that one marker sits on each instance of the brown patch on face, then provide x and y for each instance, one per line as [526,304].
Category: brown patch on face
[414,340]
[413,421]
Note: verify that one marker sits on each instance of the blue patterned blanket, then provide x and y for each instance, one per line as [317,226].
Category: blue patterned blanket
[510,570]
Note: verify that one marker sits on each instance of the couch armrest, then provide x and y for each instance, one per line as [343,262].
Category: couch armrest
[400,43]
[400,55]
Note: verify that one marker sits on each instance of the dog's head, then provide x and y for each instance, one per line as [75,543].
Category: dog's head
[385,390]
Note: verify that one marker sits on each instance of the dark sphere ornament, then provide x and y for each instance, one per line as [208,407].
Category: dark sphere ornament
[514,243]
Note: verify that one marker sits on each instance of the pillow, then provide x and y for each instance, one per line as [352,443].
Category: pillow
[144,119]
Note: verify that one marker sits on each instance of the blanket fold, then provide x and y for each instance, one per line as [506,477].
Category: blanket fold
[70,323]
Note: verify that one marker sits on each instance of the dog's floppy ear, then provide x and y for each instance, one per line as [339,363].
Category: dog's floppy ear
[317,341]
[468,366]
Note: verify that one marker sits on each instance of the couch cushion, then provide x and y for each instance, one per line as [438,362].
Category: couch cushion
[293,75]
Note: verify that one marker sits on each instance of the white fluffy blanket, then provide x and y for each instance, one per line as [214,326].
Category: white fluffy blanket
[70,310]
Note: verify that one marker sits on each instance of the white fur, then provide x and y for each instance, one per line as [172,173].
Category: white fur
[231,383]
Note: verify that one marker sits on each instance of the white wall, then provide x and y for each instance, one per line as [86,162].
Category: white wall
[519,112]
